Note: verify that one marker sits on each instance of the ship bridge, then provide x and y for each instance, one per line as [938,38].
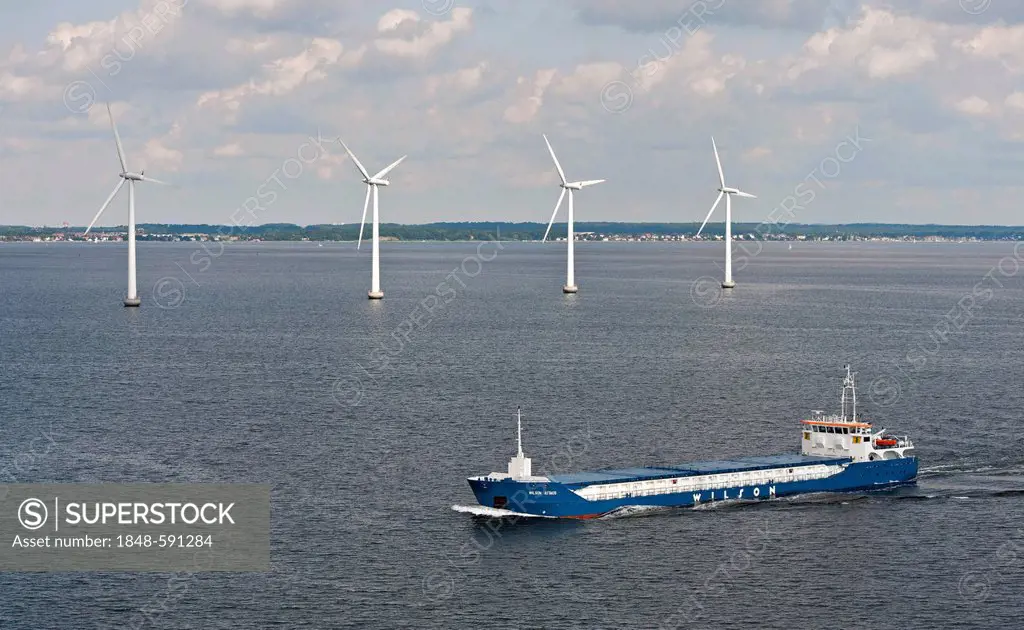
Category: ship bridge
[846,435]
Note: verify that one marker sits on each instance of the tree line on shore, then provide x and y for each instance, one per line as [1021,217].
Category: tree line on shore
[462,231]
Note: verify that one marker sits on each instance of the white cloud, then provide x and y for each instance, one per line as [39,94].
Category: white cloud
[756,153]
[102,45]
[160,156]
[587,79]
[81,45]
[973,106]
[996,42]
[661,15]
[284,75]
[394,18]
[462,80]
[530,96]
[254,46]
[390,82]
[879,44]
[229,150]
[261,8]
[430,35]
[15,88]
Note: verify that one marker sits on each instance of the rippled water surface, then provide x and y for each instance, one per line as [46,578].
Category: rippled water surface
[266,363]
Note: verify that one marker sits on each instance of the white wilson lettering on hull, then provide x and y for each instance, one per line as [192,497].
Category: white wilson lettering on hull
[737,494]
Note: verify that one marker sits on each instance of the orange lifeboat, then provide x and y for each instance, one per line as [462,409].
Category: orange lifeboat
[885,442]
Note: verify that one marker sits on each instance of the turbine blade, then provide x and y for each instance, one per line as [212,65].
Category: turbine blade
[155,181]
[709,213]
[105,204]
[590,182]
[355,160]
[721,175]
[552,221]
[117,140]
[366,204]
[740,193]
[387,169]
[561,173]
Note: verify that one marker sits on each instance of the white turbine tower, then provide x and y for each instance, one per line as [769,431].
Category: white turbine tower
[371,190]
[728,192]
[570,275]
[132,299]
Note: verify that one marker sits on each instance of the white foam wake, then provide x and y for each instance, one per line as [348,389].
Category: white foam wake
[479,510]
[633,510]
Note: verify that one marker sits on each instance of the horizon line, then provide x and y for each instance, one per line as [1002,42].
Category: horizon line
[484,222]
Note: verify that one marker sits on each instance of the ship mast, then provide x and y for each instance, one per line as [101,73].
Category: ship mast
[519,467]
[519,430]
[848,384]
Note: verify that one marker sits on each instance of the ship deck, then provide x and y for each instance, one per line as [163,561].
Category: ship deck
[739,464]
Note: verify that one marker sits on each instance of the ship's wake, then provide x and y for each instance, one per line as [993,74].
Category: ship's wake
[973,481]
[724,505]
[486,512]
[629,511]
[1015,469]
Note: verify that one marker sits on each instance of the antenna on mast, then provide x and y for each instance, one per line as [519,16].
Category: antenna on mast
[849,384]
[519,427]
[519,467]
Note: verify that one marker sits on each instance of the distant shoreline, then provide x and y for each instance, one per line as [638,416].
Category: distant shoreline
[909,241]
[488,231]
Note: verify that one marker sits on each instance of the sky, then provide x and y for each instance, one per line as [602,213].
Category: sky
[829,111]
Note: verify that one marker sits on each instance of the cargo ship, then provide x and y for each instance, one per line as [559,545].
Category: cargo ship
[839,453]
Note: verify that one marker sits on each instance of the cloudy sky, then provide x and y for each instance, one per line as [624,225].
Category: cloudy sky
[841,111]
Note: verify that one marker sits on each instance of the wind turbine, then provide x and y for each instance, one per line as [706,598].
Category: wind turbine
[728,192]
[132,299]
[570,274]
[371,190]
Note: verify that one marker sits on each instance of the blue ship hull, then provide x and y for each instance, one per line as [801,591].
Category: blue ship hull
[556,497]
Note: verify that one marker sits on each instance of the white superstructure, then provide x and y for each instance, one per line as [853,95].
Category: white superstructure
[844,435]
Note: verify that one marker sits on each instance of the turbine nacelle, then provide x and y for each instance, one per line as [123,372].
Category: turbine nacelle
[372,181]
[736,191]
[580,185]
[136,177]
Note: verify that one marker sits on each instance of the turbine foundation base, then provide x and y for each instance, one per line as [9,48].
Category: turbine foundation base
[570,288]
[375,295]
[134,302]
[728,284]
